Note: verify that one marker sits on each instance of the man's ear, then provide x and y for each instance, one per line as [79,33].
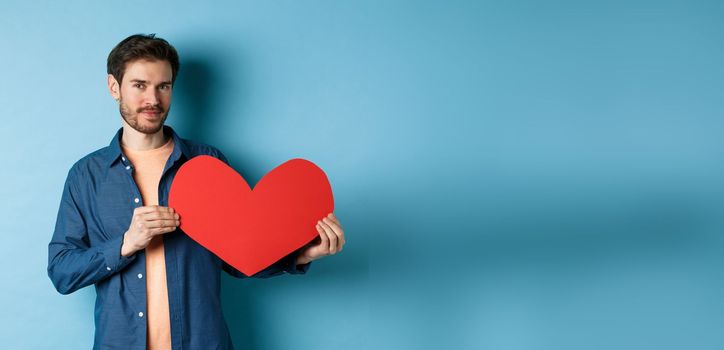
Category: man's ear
[114,87]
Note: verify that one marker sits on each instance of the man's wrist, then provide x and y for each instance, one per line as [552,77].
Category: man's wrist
[301,260]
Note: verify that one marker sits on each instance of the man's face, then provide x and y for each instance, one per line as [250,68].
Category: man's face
[144,95]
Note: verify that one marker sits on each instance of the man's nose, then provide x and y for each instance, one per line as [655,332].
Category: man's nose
[151,97]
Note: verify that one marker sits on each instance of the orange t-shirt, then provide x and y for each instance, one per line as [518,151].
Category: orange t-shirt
[148,168]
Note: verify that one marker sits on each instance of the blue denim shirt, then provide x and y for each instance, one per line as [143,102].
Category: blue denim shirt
[98,200]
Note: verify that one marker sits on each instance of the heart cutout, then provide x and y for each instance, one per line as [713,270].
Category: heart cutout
[250,229]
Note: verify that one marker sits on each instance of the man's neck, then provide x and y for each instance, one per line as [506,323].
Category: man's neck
[139,141]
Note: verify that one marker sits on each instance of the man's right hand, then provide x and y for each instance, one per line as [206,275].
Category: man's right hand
[148,222]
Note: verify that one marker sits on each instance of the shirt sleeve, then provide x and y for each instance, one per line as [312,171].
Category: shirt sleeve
[286,264]
[72,262]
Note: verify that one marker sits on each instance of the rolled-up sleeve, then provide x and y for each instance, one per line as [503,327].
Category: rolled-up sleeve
[72,262]
[286,264]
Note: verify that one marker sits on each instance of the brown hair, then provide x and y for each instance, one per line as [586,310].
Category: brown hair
[141,46]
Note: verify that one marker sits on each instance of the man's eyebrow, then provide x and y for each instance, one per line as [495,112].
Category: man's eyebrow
[146,82]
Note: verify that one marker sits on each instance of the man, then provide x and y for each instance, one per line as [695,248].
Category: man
[156,288]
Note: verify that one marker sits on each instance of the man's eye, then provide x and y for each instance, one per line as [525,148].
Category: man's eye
[165,87]
[138,85]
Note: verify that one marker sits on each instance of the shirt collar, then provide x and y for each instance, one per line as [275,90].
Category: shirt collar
[179,146]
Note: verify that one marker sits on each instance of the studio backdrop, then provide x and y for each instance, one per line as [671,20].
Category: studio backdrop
[510,174]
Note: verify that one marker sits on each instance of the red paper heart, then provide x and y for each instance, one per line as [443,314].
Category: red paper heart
[250,229]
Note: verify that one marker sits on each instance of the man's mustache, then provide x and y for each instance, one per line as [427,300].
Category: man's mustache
[155,109]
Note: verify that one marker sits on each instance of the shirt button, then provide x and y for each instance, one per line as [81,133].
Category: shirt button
[140,275]
[140,314]
[124,158]
[135,199]
[128,167]
[108,268]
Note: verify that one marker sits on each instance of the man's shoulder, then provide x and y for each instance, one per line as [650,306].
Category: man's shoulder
[90,163]
[202,149]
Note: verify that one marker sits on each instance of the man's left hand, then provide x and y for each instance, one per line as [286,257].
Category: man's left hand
[330,240]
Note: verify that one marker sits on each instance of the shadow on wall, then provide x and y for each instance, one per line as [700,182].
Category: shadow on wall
[196,106]
[194,99]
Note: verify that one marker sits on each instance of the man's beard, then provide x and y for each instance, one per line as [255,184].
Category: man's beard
[132,118]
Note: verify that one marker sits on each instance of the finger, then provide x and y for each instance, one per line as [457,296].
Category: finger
[164,210]
[154,212]
[335,219]
[145,210]
[338,231]
[161,215]
[162,230]
[324,245]
[335,226]
[332,237]
[162,223]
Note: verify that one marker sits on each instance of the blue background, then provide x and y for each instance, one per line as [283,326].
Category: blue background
[511,175]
